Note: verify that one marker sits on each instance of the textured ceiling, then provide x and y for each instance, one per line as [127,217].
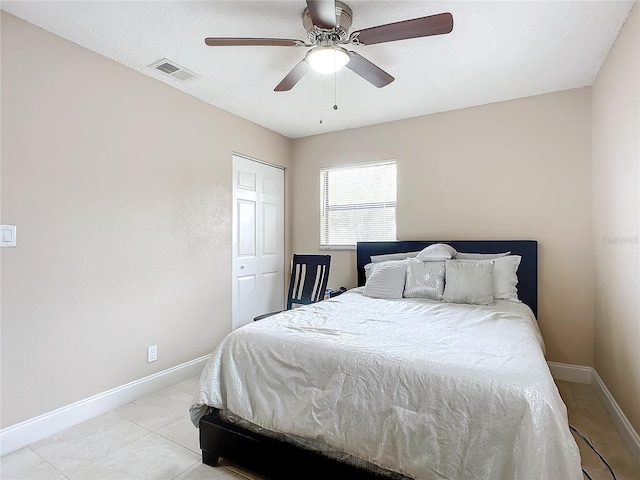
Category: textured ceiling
[496,51]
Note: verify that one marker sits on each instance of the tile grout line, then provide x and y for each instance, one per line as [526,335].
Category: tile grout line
[109,454]
[46,461]
[176,443]
[190,466]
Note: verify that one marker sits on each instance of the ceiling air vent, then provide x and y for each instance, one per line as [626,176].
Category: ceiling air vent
[173,69]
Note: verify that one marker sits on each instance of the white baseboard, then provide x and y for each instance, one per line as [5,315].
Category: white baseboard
[629,436]
[24,433]
[580,374]
[571,373]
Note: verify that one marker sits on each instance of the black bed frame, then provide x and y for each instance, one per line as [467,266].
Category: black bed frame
[280,460]
[269,457]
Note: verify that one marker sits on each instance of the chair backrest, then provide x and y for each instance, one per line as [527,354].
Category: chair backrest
[309,276]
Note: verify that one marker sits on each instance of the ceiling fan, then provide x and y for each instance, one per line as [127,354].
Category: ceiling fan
[327,23]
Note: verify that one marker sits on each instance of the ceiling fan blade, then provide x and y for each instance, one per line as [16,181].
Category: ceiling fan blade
[322,13]
[293,77]
[418,27]
[252,42]
[369,71]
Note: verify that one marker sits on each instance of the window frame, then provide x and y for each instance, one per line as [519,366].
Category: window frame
[324,196]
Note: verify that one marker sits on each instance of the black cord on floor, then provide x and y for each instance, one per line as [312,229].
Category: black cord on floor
[596,451]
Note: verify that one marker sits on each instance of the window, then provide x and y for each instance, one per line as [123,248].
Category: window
[357,203]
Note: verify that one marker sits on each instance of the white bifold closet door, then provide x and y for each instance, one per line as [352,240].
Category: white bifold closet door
[258,239]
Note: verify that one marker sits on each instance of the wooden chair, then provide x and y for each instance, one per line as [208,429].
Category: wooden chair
[308,282]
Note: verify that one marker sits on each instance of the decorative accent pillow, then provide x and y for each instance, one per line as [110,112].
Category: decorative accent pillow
[480,256]
[386,280]
[424,280]
[437,253]
[469,281]
[505,277]
[392,256]
[369,267]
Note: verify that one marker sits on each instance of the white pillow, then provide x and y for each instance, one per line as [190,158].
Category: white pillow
[392,256]
[386,280]
[424,280]
[437,253]
[505,277]
[369,267]
[469,281]
[480,256]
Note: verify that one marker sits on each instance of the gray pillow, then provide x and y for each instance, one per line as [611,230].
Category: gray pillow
[468,281]
[370,267]
[505,276]
[392,256]
[386,280]
[424,279]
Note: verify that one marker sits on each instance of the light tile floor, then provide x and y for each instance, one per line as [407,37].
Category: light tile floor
[587,414]
[153,438]
[148,439]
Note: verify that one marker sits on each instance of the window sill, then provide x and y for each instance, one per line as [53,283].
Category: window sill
[337,247]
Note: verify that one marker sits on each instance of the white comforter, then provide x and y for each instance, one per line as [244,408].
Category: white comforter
[428,389]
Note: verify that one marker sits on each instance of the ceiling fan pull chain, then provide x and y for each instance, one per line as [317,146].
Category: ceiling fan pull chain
[335,90]
[321,96]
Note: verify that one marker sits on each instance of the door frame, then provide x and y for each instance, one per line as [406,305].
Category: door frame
[234,234]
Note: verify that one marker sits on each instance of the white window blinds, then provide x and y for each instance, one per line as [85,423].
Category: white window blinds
[357,203]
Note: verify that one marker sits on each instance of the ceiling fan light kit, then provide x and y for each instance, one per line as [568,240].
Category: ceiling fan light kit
[327,23]
[327,60]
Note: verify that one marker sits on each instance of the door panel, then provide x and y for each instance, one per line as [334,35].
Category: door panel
[246,180]
[269,232]
[258,240]
[246,228]
[272,284]
[248,308]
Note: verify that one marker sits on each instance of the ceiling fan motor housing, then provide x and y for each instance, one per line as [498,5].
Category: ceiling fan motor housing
[340,33]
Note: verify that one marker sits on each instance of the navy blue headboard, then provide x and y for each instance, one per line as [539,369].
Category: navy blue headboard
[527,249]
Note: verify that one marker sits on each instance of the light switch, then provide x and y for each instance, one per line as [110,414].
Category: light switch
[8,237]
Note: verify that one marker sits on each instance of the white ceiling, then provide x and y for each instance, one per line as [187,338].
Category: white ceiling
[498,50]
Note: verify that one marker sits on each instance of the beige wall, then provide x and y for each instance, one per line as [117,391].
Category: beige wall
[513,170]
[616,153]
[121,190]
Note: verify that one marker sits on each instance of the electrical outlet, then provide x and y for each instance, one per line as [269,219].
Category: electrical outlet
[152,353]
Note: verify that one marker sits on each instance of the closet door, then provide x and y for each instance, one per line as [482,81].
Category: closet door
[258,239]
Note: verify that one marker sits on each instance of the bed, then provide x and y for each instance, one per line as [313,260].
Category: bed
[363,387]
